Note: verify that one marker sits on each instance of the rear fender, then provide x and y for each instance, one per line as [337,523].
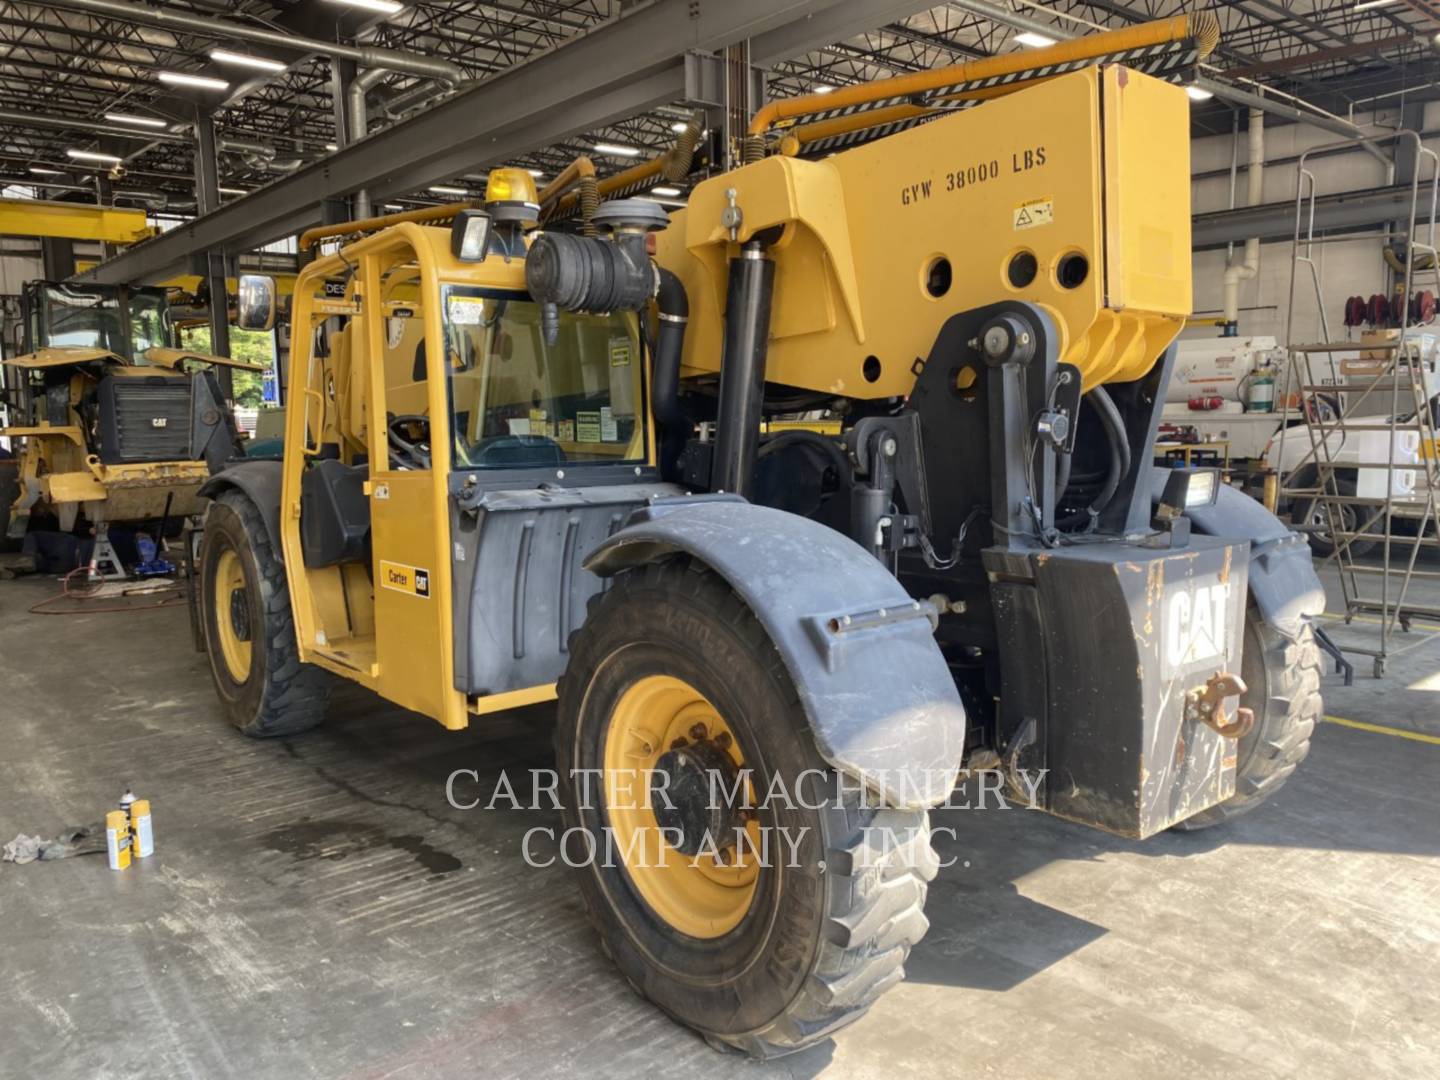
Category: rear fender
[1283,582]
[875,688]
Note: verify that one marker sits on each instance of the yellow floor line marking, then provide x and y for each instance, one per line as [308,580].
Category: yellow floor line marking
[1414,624]
[1381,729]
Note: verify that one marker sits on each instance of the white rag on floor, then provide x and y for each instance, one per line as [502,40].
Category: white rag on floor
[22,849]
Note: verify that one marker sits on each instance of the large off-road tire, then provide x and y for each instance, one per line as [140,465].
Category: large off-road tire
[767,956]
[1282,679]
[249,630]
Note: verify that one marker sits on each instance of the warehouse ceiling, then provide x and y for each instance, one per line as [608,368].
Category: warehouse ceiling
[68,69]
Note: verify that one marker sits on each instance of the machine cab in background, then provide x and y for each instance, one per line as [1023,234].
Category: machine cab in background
[440,420]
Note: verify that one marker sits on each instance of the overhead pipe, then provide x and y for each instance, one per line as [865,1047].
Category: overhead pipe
[151,136]
[1317,117]
[357,121]
[1249,264]
[366,56]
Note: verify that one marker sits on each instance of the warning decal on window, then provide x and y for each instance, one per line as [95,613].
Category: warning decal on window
[412,580]
[1035,212]
[619,352]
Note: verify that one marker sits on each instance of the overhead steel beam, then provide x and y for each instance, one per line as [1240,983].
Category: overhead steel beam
[1345,210]
[624,67]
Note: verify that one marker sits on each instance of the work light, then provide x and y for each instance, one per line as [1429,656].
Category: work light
[468,235]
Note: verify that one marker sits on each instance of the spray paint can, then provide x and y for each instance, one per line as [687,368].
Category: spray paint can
[117,839]
[142,831]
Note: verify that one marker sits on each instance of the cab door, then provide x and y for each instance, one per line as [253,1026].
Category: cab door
[408,470]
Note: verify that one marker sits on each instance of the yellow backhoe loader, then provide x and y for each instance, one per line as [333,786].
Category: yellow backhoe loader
[109,420]
[522,465]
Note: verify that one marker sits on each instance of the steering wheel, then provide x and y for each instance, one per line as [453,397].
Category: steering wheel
[409,438]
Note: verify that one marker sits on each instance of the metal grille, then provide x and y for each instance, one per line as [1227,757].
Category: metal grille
[152,422]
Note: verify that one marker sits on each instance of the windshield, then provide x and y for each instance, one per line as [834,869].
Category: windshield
[90,317]
[518,400]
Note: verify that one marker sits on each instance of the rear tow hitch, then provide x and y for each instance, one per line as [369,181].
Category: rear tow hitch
[1207,705]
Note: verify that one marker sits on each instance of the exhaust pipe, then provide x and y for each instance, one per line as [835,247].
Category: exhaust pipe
[742,369]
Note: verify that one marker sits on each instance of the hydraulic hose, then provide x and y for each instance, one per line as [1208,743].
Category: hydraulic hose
[665,379]
[1119,445]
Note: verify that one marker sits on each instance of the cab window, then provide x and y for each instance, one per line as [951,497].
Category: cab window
[524,397]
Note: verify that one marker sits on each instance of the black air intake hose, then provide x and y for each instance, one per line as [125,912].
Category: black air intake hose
[578,273]
[665,385]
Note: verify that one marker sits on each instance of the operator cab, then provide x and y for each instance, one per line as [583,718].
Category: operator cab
[428,389]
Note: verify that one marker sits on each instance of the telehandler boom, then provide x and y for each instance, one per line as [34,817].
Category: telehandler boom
[775,646]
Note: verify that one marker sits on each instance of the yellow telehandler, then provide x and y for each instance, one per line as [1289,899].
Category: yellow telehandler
[504,484]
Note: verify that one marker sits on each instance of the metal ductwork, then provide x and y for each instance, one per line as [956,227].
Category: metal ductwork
[366,56]
[1249,265]
[357,121]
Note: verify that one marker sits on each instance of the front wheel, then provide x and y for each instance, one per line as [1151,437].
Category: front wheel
[249,630]
[734,877]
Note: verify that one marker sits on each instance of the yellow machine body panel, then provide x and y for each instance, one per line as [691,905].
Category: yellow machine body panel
[1088,173]
[59,356]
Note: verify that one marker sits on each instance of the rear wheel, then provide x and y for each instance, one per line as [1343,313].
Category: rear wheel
[764,922]
[1282,679]
[249,631]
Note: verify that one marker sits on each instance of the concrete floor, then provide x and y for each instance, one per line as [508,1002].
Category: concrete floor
[315,909]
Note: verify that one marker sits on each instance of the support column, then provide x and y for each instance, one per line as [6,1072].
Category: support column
[57,257]
[207,200]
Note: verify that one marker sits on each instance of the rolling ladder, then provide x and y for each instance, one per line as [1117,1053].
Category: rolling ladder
[1367,420]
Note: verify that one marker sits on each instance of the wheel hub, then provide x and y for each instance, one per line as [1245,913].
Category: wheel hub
[239,615]
[694,794]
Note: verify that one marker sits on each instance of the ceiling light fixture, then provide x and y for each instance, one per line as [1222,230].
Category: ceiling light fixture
[200,82]
[232,191]
[385,7]
[40,170]
[441,189]
[136,121]
[821,88]
[536,173]
[679,126]
[93,155]
[1368,4]
[670,191]
[1198,93]
[618,151]
[225,56]
[1032,40]
[331,147]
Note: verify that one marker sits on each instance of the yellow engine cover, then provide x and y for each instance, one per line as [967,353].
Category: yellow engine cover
[1091,166]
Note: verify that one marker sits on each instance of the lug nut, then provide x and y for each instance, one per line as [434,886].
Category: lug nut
[723,740]
[680,742]
[697,731]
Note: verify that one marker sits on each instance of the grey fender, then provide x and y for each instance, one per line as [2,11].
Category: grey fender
[260,480]
[1283,581]
[875,688]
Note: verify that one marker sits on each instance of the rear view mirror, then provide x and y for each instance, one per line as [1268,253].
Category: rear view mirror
[255,305]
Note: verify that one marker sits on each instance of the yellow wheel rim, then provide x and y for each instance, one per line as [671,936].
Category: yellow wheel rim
[230,593]
[694,894]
